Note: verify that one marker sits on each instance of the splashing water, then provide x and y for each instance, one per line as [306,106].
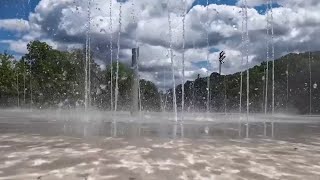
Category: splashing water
[118,54]
[31,87]
[172,69]
[193,87]
[24,82]
[242,59]
[17,84]
[267,72]
[287,73]
[273,65]
[183,58]
[117,72]
[164,99]
[111,56]
[208,62]
[25,70]
[87,65]
[24,64]
[183,67]
[247,57]
[310,84]
[137,46]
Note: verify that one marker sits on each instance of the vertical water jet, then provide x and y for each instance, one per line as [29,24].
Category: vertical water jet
[118,58]
[242,59]
[136,44]
[17,84]
[87,62]
[172,70]
[267,71]
[193,87]
[247,58]
[24,82]
[183,59]
[30,85]
[111,56]
[273,66]
[310,84]
[287,73]
[207,58]
[135,84]
[117,70]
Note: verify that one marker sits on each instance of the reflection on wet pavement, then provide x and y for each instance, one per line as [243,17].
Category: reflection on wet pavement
[69,149]
[34,156]
[193,130]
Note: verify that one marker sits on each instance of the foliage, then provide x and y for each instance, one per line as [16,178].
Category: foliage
[298,87]
[7,79]
[48,78]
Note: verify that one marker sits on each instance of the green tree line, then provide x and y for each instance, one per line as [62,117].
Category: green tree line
[292,88]
[49,78]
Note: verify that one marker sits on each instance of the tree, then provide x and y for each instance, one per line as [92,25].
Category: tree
[54,75]
[299,87]
[150,97]
[7,79]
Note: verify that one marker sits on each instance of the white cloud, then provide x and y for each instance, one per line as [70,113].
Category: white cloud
[18,46]
[18,25]
[286,3]
[63,25]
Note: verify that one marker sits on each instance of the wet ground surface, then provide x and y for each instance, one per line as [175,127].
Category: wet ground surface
[50,148]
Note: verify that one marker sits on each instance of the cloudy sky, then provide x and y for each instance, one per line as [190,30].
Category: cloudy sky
[62,24]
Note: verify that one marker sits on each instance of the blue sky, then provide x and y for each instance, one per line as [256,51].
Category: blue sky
[227,2]
[14,9]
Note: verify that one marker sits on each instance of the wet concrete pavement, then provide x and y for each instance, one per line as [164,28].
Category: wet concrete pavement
[43,148]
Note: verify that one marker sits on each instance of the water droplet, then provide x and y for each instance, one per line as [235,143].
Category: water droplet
[235,27]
